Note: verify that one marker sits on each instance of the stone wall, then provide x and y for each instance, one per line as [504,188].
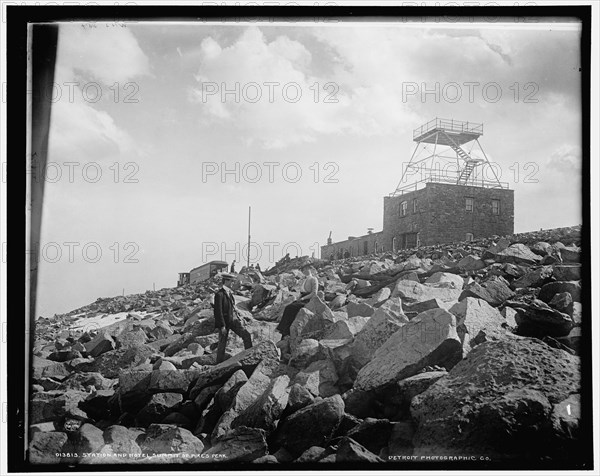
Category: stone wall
[440,215]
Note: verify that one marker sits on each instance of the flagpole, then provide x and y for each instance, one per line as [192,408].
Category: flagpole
[249,211]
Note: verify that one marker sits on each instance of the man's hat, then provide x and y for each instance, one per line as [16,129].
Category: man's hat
[227,276]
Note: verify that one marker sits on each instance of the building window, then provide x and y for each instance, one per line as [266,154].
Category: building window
[495,207]
[469,236]
[415,205]
[403,208]
[469,204]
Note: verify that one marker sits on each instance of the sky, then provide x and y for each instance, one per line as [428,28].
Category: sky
[162,135]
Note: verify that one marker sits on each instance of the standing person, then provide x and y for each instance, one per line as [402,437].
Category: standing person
[310,288]
[258,268]
[232,268]
[226,317]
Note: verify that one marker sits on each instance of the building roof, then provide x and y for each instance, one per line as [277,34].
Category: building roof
[224,263]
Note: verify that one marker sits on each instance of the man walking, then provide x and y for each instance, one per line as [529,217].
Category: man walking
[226,317]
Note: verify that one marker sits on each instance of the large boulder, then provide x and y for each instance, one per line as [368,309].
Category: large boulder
[248,393]
[206,395]
[411,291]
[450,278]
[517,254]
[567,272]
[497,402]
[161,330]
[473,316]
[308,324]
[131,338]
[179,344]
[121,439]
[132,390]
[398,397]
[495,291]
[345,328]
[261,293]
[159,406]
[64,355]
[360,403]
[313,425]
[299,397]
[429,339]
[359,309]
[378,329]
[313,454]
[101,405]
[177,381]
[319,378]
[533,279]
[541,248]
[87,381]
[570,254]
[537,319]
[301,320]
[225,395]
[304,352]
[87,439]
[110,363]
[56,405]
[319,308]
[268,408]
[242,444]
[412,310]
[49,368]
[379,297]
[103,342]
[471,263]
[549,290]
[170,439]
[45,447]
[563,302]
[247,360]
[350,451]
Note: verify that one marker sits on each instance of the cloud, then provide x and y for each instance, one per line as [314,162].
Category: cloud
[567,159]
[89,62]
[106,52]
[268,92]
[79,132]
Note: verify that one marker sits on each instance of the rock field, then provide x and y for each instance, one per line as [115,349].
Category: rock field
[457,349]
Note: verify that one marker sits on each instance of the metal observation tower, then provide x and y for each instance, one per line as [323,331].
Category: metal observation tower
[448,151]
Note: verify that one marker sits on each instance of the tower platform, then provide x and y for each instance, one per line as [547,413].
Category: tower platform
[438,131]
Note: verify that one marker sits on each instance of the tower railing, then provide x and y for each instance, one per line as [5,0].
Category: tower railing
[446,177]
[451,125]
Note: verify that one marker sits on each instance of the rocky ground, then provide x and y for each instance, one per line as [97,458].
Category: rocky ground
[465,349]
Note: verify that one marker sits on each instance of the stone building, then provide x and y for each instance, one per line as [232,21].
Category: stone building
[354,246]
[441,204]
